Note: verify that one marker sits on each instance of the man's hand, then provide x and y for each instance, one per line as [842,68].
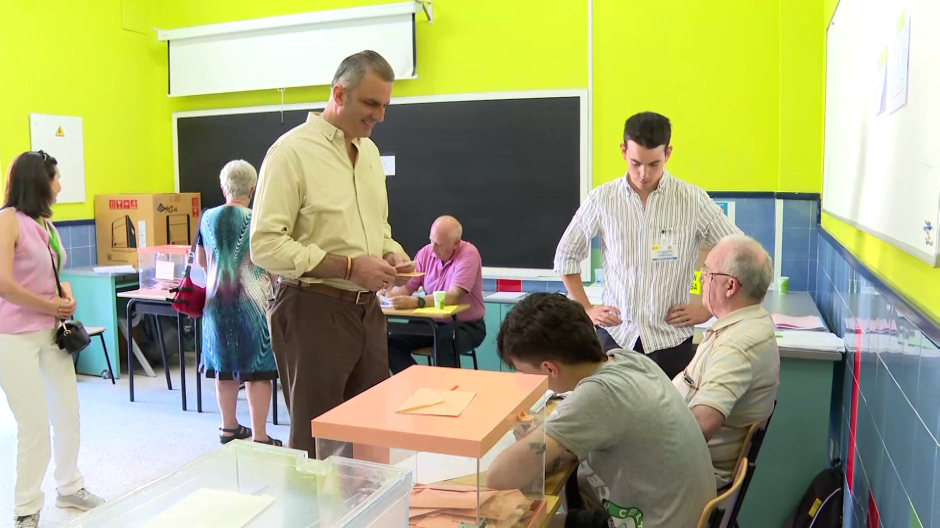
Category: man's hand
[604,315]
[396,260]
[404,302]
[402,265]
[372,273]
[683,315]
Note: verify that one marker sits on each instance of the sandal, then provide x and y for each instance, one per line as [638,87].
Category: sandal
[271,442]
[239,433]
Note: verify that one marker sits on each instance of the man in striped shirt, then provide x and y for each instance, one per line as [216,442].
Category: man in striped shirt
[651,227]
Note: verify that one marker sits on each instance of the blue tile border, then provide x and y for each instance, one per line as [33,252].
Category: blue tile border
[62,223]
[926,324]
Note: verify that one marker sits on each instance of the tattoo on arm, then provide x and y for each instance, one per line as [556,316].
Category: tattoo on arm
[538,447]
[555,464]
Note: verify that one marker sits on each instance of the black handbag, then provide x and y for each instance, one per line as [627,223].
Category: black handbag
[71,335]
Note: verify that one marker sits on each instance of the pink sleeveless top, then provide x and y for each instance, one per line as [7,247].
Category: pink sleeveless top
[32,269]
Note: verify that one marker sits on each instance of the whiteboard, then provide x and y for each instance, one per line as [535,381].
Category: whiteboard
[882,156]
[63,138]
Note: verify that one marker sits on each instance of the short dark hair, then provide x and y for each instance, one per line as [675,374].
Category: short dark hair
[548,326]
[648,129]
[29,184]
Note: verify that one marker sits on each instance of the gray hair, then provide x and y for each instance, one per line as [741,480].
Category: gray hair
[750,263]
[238,178]
[355,67]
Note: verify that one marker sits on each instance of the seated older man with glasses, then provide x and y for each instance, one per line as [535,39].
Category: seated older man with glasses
[732,380]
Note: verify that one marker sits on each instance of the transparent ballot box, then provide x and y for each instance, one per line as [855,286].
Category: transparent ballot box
[162,267]
[259,486]
[472,439]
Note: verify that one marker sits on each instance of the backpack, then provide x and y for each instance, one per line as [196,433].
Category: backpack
[821,506]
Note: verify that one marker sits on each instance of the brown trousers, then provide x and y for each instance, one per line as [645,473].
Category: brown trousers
[327,352]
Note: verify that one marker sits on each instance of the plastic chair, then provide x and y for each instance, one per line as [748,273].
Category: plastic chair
[99,332]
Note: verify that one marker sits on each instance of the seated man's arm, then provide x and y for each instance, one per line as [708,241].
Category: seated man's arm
[522,463]
[726,377]
[580,425]
[709,419]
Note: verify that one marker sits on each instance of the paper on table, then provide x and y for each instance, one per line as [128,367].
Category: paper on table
[448,310]
[409,273]
[126,268]
[205,508]
[809,340]
[505,296]
[437,403]
[806,322]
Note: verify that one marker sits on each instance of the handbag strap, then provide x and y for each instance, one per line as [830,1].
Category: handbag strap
[192,256]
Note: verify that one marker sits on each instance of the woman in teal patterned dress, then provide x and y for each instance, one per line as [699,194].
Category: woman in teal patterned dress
[236,342]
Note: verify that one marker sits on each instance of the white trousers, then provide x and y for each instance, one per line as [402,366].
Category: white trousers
[39,382]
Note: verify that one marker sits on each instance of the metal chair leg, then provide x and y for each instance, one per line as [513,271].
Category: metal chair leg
[106,358]
[166,364]
[473,355]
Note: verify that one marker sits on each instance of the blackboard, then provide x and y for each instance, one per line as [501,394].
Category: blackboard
[511,170]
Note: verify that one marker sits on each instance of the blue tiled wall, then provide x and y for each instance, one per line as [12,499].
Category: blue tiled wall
[895,369]
[80,243]
[757,218]
[799,259]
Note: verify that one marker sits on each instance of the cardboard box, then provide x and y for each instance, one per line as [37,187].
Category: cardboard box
[125,222]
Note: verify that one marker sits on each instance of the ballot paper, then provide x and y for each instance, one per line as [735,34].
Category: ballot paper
[211,508]
[447,504]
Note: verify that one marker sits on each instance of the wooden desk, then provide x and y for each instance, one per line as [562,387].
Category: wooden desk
[429,319]
[157,303]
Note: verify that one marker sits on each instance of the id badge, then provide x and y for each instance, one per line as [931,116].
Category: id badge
[664,249]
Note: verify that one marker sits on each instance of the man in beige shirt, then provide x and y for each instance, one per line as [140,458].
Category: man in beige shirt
[321,223]
[732,380]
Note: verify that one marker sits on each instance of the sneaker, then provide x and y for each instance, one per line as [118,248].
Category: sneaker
[27,521]
[80,500]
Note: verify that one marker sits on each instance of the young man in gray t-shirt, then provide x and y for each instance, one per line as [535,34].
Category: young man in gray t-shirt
[644,461]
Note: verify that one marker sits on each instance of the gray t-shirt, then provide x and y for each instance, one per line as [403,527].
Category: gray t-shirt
[641,449]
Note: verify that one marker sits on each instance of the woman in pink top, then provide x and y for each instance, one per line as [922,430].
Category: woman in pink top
[37,377]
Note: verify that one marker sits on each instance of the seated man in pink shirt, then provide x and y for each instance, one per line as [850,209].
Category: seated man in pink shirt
[452,265]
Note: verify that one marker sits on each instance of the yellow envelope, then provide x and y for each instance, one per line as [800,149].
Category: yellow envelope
[437,403]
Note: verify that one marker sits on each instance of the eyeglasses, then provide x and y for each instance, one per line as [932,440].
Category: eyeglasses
[704,271]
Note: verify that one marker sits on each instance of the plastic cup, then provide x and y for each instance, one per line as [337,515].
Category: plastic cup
[783,284]
[439,297]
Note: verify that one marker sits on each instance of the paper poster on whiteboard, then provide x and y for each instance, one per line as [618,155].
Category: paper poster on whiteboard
[62,137]
[899,63]
[881,79]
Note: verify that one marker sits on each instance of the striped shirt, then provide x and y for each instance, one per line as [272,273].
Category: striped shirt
[641,288]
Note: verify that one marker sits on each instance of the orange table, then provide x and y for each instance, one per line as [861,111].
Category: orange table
[411,316]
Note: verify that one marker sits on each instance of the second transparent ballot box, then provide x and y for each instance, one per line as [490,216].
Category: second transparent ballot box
[245,484]
[161,268]
[449,427]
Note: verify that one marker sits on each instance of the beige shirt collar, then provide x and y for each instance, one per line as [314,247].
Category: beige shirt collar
[326,128]
[739,315]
